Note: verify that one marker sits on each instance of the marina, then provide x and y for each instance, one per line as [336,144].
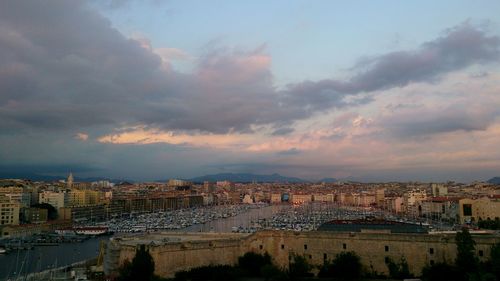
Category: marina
[37,254]
[19,262]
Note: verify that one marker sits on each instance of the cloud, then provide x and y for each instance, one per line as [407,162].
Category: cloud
[459,47]
[291,151]
[169,54]
[82,136]
[282,131]
[142,135]
[56,75]
[427,121]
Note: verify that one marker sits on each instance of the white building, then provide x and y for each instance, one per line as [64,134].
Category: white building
[56,199]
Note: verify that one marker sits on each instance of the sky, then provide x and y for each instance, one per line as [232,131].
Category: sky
[148,90]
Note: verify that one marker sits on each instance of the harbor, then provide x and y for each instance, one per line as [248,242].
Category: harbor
[54,250]
[20,262]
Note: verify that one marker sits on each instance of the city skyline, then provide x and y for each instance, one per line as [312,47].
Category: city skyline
[150,90]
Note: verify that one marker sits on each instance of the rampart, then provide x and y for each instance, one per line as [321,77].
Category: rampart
[181,251]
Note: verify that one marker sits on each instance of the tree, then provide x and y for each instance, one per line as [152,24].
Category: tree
[466,261]
[209,273]
[271,272]
[141,268]
[399,270]
[495,260]
[252,263]
[299,268]
[346,267]
[439,272]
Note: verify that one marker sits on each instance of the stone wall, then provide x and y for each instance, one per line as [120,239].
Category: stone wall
[373,248]
[194,250]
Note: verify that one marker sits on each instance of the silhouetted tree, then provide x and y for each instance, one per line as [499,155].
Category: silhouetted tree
[271,272]
[299,268]
[141,268]
[398,270]
[346,267]
[439,272]
[209,273]
[466,261]
[495,260]
[252,263]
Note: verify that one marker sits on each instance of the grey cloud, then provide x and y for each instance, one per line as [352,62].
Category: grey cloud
[291,151]
[63,66]
[457,48]
[282,131]
[422,121]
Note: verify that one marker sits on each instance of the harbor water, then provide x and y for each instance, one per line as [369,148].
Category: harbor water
[20,262]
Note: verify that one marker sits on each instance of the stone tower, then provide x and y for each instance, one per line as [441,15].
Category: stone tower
[69,182]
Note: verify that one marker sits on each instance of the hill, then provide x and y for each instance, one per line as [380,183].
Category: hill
[495,180]
[48,178]
[246,178]
[328,180]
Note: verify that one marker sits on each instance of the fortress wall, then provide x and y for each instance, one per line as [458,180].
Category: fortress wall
[214,249]
[172,258]
[371,247]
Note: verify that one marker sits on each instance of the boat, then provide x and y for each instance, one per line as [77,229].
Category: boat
[83,230]
[3,250]
[91,230]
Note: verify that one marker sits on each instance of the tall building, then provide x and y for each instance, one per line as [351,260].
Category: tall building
[474,210]
[56,199]
[69,182]
[439,190]
[9,211]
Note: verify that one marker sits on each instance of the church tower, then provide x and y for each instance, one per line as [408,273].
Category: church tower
[69,182]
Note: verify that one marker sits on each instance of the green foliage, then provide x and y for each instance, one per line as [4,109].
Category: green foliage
[495,260]
[399,270]
[209,273]
[249,265]
[489,224]
[299,268]
[141,268]
[346,267]
[252,263]
[440,272]
[466,262]
[271,273]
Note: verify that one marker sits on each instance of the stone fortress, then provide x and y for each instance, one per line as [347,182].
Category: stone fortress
[174,252]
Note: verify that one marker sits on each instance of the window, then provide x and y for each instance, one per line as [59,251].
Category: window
[387,248]
[260,247]
[386,259]
[305,246]
[325,256]
[431,251]
[432,262]
[344,246]
[481,253]
[467,209]
[282,246]
[310,256]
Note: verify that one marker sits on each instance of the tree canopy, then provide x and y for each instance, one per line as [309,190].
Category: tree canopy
[346,267]
[141,268]
[466,261]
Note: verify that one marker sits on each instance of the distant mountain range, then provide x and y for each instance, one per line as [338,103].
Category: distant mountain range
[246,178]
[47,178]
[328,180]
[233,177]
[495,180]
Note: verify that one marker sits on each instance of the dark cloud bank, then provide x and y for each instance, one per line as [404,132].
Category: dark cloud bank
[63,66]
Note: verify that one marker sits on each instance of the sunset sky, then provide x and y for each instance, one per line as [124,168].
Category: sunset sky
[147,90]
